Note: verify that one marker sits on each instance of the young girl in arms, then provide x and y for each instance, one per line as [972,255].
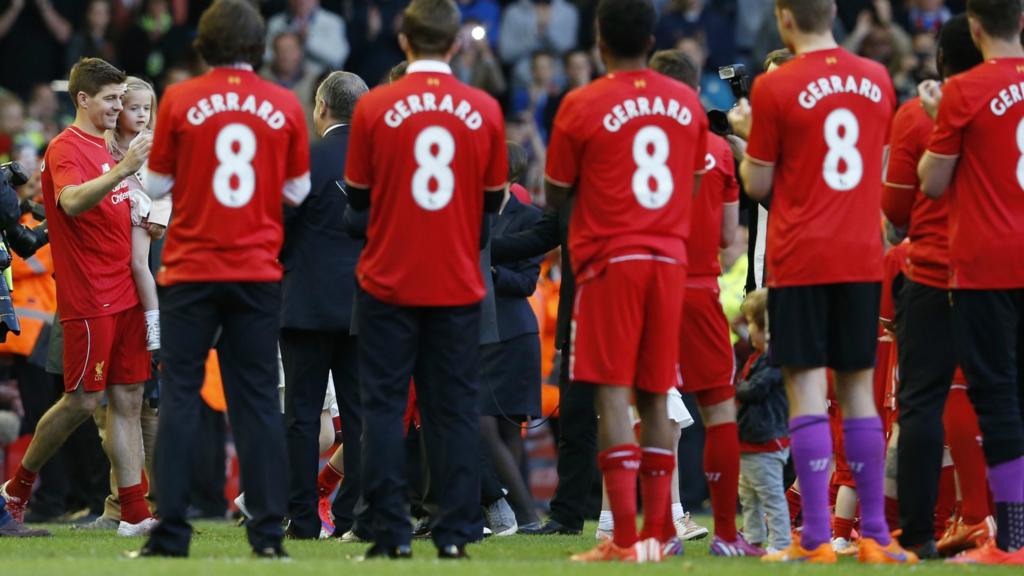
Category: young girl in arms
[149,217]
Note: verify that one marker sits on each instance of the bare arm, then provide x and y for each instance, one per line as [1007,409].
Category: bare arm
[730,222]
[757,178]
[58,26]
[10,15]
[935,173]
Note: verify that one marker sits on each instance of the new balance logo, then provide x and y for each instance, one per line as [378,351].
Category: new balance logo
[819,465]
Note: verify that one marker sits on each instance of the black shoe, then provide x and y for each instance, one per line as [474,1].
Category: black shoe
[452,552]
[271,553]
[377,551]
[151,551]
[422,528]
[549,528]
[926,551]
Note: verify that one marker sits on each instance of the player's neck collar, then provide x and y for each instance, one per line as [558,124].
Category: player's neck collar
[236,66]
[435,66]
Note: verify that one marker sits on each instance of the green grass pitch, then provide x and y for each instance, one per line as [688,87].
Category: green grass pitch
[221,549]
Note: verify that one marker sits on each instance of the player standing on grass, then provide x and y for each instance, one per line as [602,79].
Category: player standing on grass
[87,205]
[427,160]
[233,147]
[630,147]
[976,151]
[818,137]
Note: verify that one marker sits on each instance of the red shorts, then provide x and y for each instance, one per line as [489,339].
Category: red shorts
[105,349]
[625,324]
[706,361]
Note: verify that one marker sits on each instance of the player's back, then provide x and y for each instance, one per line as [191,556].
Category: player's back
[830,112]
[643,138]
[718,186]
[427,147]
[235,139]
[987,201]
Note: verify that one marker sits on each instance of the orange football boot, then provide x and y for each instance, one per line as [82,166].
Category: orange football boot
[871,552]
[823,554]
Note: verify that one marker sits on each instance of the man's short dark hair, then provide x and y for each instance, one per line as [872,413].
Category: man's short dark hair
[811,15]
[231,32]
[956,52]
[340,91]
[90,75]
[999,18]
[777,57]
[431,26]
[518,160]
[626,26]
[676,65]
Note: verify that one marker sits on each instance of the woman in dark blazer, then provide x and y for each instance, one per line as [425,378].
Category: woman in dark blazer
[510,369]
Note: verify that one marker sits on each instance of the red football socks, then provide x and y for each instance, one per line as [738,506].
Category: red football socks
[133,504]
[619,465]
[842,527]
[21,485]
[892,512]
[656,467]
[328,480]
[722,470]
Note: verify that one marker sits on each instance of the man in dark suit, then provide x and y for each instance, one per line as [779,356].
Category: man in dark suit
[319,261]
[577,440]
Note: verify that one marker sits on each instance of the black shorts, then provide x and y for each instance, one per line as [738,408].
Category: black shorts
[831,325]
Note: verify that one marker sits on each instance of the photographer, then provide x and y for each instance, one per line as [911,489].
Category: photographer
[90,222]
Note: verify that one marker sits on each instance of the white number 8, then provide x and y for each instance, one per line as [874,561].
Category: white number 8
[433,167]
[651,165]
[842,148]
[237,164]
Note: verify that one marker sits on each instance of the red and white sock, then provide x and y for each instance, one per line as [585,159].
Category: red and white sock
[656,467]
[620,465]
[722,470]
[133,503]
[328,480]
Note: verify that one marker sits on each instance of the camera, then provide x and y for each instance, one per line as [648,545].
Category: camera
[24,241]
[739,82]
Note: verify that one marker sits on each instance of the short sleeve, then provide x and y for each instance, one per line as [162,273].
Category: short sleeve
[565,146]
[909,137]
[731,187]
[700,152]
[358,169]
[948,135]
[163,154]
[497,167]
[298,145]
[65,170]
[763,146]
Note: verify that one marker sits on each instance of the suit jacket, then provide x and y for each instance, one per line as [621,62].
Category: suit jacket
[516,281]
[319,258]
[488,307]
[550,232]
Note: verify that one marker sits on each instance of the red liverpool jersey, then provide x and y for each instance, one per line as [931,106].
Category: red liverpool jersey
[717,188]
[822,121]
[630,143]
[981,121]
[926,220]
[230,140]
[92,252]
[427,147]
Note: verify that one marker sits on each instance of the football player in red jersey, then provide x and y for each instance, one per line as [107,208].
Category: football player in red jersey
[706,361]
[975,152]
[233,147]
[427,160]
[924,329]
[87,205]
[630,147]
[818,139]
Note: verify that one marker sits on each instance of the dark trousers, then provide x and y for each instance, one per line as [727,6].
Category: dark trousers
[308,357]
[190,315]
[924,332]
[987,328]
[577,448]
[438,346]
[207,474]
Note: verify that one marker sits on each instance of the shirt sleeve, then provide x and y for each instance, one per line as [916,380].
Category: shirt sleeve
[948,135]
[358,167]
[64,168]
[731,187]
[763,146]
[565,147]
[497,169]
[909,137]
[700,153]
[163,154]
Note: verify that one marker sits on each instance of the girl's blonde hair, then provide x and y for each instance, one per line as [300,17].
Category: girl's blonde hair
[134,84]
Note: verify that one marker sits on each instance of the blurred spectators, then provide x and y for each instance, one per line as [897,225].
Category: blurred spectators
[528,26]
[715,93]
[579,71]
[153,42]
[10,414]
[692,18]
[12,126]
[94,36]
[45,119]
[750,14]
[322,33]
[475,63]
[33,36]
[532,100]
[373,33]
[877,37]
[523,130]
[927,16]
[289,69]
[487,13]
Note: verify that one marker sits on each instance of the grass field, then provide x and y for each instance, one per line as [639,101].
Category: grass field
[220,549]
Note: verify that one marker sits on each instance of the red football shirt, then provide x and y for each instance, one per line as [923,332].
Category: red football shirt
[822,121]
[230,140]
[427,147]
[981,121]
[926,220]
[92,252]
[717,188]
[630,143]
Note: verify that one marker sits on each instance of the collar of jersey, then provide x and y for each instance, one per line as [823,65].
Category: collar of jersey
[435,66]
[236,66]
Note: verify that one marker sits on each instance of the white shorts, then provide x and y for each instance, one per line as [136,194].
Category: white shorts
[677,411]
[330,400]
